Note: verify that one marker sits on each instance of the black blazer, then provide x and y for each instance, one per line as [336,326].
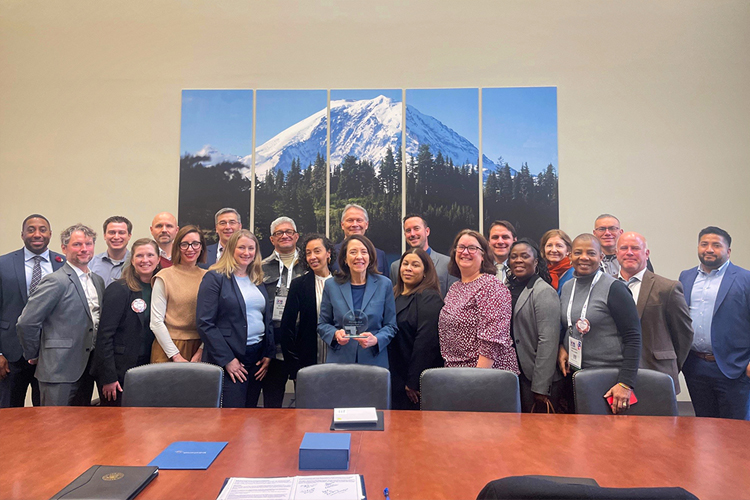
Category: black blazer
[222,320]
[416,346]
[300,342]
[121,334]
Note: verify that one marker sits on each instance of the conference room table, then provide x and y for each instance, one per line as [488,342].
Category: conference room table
[420,455]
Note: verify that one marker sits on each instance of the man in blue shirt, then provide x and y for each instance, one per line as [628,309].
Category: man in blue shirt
[717,369]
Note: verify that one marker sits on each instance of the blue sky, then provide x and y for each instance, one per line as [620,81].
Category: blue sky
[222,118]
[456,108]
[280,109]
[520,124]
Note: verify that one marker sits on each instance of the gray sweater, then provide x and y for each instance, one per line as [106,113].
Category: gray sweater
[614,340]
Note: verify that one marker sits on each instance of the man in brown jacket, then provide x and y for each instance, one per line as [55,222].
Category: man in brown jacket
[666,325]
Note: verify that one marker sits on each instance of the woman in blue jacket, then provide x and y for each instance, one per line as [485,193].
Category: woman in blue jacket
[234,320]
[359,287]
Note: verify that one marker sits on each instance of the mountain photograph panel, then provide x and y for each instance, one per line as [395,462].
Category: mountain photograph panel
[442,173]
[366,163]
[290,161]
[519,134]
[215,159]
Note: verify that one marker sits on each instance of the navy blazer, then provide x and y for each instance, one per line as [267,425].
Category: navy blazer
[221,319]
[13,298]
[730,327]
[379,305]
[210,256]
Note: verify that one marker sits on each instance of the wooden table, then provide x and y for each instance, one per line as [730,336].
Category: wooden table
[421,455]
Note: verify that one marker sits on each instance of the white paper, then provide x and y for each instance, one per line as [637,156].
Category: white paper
[355,415]
[258,488]
[334,487]
[340,487]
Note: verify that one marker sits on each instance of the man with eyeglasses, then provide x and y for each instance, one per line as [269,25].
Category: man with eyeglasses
[279,269]
[227,222]
[607,230]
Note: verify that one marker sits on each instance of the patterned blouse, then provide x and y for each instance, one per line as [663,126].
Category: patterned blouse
[476,321]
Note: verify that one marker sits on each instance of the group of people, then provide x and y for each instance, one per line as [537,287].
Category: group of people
[542,311]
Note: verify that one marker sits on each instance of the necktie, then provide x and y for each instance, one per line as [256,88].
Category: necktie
[36,274]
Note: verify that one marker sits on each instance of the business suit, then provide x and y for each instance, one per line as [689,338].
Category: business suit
[382,261]
[299,339]
[417,345]
[666,326]
[721,388]
[441,267]
[122,334]
[221,318]
[13,298]
[56,327]
[379,306]
[211,251]
[536,334]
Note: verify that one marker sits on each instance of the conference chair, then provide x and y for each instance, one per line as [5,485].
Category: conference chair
[654,391]
[469,389]
[340,385]
[187,385]
[558,488]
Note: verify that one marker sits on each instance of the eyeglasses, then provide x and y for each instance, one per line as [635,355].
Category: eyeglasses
[196,245]
[225,223]
[288,232]
[604,229]
[472,249]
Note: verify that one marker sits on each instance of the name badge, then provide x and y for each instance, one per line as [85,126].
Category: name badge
[138,305]
[575,352]
[279,302]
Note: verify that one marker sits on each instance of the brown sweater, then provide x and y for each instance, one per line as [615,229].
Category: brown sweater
[181,287]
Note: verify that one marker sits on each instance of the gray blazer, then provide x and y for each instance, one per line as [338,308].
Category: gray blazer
[536,330]
[56,326]
[441,266]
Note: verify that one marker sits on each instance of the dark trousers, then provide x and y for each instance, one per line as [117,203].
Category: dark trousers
[274,384]
[556,395]
[14,386]
[712,393]
[244,394]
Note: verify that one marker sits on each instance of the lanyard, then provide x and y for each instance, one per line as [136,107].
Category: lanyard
[586,303]
[282,266]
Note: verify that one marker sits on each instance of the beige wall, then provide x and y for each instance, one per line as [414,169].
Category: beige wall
[654,114]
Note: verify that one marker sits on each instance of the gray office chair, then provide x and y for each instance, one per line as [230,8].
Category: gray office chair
[188,385]
[654,390]
[469,389]
[338,385]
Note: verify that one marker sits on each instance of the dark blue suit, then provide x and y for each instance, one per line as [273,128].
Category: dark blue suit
[221,318]
[379,306]
[210,256]
[722,388]
[13,298]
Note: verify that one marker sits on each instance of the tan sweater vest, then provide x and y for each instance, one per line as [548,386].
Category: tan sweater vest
[181,287]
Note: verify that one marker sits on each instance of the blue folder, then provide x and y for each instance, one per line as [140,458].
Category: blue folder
[189,455]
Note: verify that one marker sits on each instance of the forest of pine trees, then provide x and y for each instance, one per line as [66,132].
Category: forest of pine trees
[445,193]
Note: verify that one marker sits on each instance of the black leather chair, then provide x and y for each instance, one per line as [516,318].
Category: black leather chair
[539,487]
[469,389]
[339,385]
[188,385]
[654,390]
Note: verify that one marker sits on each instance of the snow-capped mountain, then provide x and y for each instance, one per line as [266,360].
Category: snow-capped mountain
[361,128]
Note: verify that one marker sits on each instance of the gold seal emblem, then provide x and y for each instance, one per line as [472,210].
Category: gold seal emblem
[113,476]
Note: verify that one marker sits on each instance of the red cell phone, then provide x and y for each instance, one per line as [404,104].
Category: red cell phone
[633,399]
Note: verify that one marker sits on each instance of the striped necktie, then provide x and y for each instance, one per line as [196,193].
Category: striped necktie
[36,274]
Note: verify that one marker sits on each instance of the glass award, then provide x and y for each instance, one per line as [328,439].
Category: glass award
[355,323]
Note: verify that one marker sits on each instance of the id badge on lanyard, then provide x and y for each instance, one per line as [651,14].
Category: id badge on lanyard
[279,302]
[582,326]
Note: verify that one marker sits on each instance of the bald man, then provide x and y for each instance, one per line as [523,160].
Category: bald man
[666,325]
[164,228]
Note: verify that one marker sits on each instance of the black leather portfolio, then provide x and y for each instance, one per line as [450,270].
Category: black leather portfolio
[108,482]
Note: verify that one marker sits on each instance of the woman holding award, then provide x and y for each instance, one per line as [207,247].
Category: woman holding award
[602,328]
[357,311]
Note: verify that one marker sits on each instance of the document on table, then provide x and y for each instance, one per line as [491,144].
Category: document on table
[334,487]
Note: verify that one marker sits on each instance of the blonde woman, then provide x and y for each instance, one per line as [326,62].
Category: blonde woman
[234,320]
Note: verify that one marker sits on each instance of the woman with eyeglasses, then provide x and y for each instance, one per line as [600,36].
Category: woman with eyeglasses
[234,320]
[474,323]
[173,300]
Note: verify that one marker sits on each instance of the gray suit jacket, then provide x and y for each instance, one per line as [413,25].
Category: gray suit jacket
[56,326]
[441,266]
[536,331]
[666,325]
